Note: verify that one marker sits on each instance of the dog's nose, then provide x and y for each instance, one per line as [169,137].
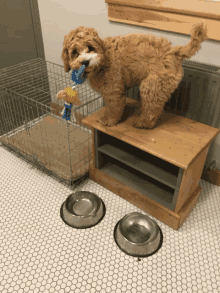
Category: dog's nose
[85,62]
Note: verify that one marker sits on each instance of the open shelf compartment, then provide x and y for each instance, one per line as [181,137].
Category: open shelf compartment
[137,159]
[136,180]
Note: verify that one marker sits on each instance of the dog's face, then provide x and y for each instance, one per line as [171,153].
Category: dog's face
[82,46]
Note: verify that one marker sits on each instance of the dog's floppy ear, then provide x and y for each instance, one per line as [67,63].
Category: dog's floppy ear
[97,40]
[65,55]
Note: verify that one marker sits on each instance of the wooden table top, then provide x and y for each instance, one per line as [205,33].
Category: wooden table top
[174,138]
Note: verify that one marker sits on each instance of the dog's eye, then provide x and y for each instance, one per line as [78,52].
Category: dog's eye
[75,52]
[91,48]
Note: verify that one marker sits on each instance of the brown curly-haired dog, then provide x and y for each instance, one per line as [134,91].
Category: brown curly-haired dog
[116,64]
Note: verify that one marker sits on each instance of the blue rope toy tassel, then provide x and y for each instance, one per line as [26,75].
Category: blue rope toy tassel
[77,78]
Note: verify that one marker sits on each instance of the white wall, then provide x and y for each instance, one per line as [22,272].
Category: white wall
[59,17]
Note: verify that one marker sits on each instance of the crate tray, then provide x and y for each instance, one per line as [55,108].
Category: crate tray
[48,141]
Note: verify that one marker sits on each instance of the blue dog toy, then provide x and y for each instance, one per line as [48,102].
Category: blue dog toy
[77,78]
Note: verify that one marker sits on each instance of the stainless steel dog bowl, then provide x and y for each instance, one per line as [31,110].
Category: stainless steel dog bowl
[82,209]
[138,235]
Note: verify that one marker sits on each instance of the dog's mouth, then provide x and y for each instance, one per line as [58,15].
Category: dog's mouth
[86,63]
[84,75]
[90,62]
[87,69]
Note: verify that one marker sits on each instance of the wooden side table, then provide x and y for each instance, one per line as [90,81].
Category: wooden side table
[157,170]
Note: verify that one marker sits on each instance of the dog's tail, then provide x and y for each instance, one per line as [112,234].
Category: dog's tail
[198,35]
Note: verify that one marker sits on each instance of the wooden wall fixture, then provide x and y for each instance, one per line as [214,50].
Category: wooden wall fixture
[170,15]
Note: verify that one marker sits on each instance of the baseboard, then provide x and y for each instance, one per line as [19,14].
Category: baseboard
[212,176]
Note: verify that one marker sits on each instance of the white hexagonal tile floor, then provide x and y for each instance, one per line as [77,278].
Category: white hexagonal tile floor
[40,253]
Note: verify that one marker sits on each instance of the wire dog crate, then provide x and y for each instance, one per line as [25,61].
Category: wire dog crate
[31,125]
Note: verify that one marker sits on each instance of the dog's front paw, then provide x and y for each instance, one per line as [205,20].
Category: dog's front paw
[108,121]
[140,122]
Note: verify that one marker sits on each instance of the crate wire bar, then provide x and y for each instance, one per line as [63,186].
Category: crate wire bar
[32,127]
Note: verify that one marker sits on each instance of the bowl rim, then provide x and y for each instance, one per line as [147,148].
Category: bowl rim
[139,256]
[102,206]
[91,214]
[154,236]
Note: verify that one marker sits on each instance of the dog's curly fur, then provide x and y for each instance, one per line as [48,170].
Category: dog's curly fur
[116,64]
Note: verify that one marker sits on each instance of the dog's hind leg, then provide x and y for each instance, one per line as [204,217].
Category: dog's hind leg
[155,91]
